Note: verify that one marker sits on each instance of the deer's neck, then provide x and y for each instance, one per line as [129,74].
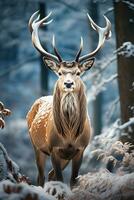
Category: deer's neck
[69,112]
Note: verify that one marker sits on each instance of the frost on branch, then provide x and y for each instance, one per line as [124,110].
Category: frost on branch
[99,87]
[130,4]
[127,49]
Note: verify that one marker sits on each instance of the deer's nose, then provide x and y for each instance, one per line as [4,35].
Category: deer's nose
[68,84]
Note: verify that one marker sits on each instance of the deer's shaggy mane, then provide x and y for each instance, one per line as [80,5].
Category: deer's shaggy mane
[69,111]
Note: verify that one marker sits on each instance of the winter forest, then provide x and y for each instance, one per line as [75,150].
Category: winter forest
[107,168]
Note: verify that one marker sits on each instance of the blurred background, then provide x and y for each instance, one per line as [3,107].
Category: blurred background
[24,78]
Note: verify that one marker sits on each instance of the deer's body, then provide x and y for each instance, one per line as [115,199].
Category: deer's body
[45,137]
[44,134]
[59,125]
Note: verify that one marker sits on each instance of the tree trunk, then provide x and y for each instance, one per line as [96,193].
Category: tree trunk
[97,103]
[124,32]
[44,70]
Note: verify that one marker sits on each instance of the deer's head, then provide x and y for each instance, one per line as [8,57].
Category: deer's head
[68,72]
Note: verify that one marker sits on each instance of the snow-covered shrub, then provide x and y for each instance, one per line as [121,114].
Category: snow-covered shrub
[104,185]
[22,191]
[57,189]
[53,190]
[106,151]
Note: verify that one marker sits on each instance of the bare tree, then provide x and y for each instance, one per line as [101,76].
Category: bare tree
[43,69]
[97,103]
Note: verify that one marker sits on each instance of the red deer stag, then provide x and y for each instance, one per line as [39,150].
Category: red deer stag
[59,125]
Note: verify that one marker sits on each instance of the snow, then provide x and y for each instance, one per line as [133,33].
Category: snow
[101,185]
[11,191]
[52,190]
[127,49]
[125,125]
[104,185]
[57,189]
[99,87]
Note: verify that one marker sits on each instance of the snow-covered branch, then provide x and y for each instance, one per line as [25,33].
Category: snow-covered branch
[130,4]
[125,125]
[127,49]
[108,10]
[101,66]
[99,87]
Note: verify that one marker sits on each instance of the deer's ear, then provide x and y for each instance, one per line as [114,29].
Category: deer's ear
[53,65]
[86,65]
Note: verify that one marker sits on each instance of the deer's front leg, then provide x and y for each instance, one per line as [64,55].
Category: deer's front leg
[40,160]
[56,166]
[76,163]
[51,175]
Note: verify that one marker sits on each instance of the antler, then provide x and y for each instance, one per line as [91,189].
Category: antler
[104,33]
[55,49]
[34,26]
[80,50]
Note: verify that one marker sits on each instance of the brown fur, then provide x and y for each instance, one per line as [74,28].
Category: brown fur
[69,111]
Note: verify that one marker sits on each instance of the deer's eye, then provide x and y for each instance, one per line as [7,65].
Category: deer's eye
[78,73]
[60,73]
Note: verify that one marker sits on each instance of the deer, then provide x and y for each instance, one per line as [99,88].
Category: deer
[59,125]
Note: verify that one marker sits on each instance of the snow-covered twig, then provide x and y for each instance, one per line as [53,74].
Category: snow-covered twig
[127,49]
[98,87]
[130,4]
[108,10]
[103,64]
[125,125]
[110,79]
